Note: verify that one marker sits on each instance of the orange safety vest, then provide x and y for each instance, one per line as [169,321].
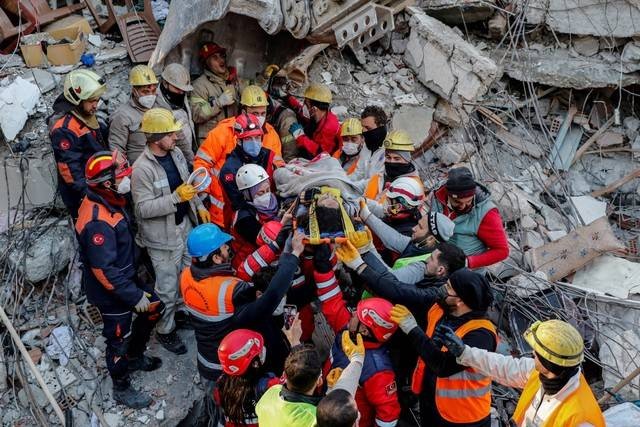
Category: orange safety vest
[464,397]
[212,154]
[579,407]
[352,168]
[210,299]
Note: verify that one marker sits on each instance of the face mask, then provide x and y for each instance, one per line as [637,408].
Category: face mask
[350,148]
[305,112]
[375,137]
[263,201]
[176,99]
[125,186]
[394,170]
[252,146]
[261,120]
[280,308]
[147,101]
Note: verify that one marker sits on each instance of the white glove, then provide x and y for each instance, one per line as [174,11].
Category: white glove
[364,210]
[227,97]
[143,304]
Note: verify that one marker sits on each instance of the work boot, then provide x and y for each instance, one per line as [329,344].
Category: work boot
[172,342]
[126,395]
[144,363]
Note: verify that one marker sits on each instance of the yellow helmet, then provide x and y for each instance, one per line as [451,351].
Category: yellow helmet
[318,92]
[556,341]
[81,85]
[142,75]
[351,127]
[398,140]
[253,96]
[159,120]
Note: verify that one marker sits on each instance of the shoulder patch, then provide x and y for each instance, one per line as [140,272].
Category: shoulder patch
[98,239]
[391,388]
[229,177]
[65,144]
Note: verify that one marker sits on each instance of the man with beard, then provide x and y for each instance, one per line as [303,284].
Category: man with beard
[451,394]
[374,126]
[478,225]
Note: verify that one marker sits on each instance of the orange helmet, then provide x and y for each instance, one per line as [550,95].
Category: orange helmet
[268,233]
[106,166]
[375,313]
[238,349]
[209,49]
[247,125]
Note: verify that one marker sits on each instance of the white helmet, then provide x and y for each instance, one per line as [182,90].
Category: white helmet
[250,175]
[407,188]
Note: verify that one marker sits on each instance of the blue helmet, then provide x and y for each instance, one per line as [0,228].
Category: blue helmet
[206,238]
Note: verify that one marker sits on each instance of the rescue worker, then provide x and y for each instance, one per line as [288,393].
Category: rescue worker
[478,225]
[223,139]
[248,150]
[261,206]
[242,355]
[280,115]
[294,403]
[318,129]
[554,389]
[166,206]
[218,302]
[76,134]
[124,133]
[109,277]
[215,92]
[374,125]
[352,141]
[172,94]
[377,396]
[404,204]
[451,394]
[397,163]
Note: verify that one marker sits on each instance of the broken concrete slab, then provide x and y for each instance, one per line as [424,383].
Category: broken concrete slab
[28,181]
[452,153]
[588,208]
[43,79]
[512,202]
[414,120]
[18,100]
[447,114]
[618,18]
[463,72]
[558,69]
[454,12]
[625,414]
[586,46]
[610,138]
[610,275]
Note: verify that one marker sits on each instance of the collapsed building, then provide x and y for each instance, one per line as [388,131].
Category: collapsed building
[537,98]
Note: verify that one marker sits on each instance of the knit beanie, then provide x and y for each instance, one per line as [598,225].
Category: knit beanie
[472,288]
[404,154]
[440,226]
[460,183]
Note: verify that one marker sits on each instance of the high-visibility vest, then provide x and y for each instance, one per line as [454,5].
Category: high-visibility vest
[352,167]
[464,397]
[577,408]
[210,299]
[402,262]
[273,410]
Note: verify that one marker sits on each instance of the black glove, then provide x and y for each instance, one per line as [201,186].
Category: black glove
[281,238]
[322,258]
[450,340]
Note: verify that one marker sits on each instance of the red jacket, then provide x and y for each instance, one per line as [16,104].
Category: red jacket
[326,137]
[491,233]
[376,397]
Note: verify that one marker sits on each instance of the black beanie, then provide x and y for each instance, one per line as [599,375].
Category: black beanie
[460,183]
[472,288]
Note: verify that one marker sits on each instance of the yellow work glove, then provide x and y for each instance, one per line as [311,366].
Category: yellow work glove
[205,216]
[349,255]
[354,351]
[361,240]
[184,193]
[333,376]
[403,317]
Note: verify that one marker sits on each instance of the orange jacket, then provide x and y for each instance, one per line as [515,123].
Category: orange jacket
[212,154]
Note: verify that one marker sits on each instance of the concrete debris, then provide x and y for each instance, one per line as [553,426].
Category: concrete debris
[464,73]
[18,100]
[43,79]
[447,114]
[498,25]
[610,275]
[452,153]
[625,414]
[586,46]
[512,202]
[605,19]
[415,120]
[455,12]
[60,344]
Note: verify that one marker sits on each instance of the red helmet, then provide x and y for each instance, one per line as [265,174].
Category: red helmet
[247,125]
[269,232]
[209,49]
[375,313]
[106,166]
[238,349]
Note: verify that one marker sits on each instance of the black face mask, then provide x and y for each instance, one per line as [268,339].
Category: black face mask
[175,99]
[394,170]
[375,137]
[554,385]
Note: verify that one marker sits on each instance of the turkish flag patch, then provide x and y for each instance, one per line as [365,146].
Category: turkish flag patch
[228,177]
[65,144]
[98,239]
[391,388]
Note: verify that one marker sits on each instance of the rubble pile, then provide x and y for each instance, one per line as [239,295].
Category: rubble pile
[537,98]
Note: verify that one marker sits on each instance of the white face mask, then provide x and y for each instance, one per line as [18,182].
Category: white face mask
[147,101]
[125,186]
[261,120]
[262,201]
[305,112]
[350,148]
[280,308]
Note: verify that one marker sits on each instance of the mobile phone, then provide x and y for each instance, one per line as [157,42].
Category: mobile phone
[290,312]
